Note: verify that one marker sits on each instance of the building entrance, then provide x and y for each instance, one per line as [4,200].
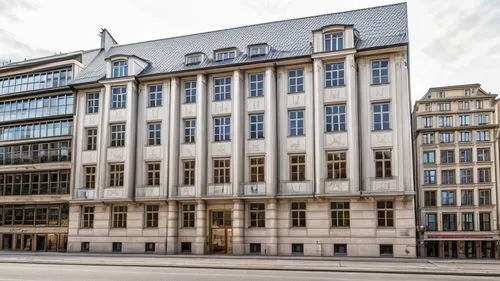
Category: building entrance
[221,232]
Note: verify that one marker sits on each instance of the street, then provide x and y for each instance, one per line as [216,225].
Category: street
[37,272]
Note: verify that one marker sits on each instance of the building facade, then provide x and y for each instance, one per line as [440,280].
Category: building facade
[457,159]
[284,138]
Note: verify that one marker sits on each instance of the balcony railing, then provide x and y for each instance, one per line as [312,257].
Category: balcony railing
[337,186]
[220,189]
[386,185]
[85,194]
[149,191]
[253,189]
[183,191]
[295,188]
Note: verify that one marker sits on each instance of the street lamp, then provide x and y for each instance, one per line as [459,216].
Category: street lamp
[421,231]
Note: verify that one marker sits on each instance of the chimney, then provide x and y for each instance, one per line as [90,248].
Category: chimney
[106,40]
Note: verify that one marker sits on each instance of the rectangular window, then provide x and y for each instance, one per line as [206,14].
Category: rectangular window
[464,136]
[445,121]
[189,130]
[464,120]
[448,177]
[484,175]
[222,171]
[257,169]
[118,97]
[91,138]
[336,165]
[449,222]
[258,51]
[149,247]
[295,81]
[119,69]
[190,92]
[222,129]
[463,105]
[90,173]
[335,118]
[467,198]
[340,250]
[383,166]
[116,247]
[340,213]
[484,197]
[155,95]
[255,248]
[257,215]
[431,221]
[151,214]
[296,123]
[154,133]
[298,249]
[482,135]
[479,104]
[483,155]
[256,126]
[466,176]
[427,122]
[119,217]
[222,89]
[380,72]
[482,119]
[428,138]
[385,213]
[87,217]
[484,222]
[188,215]
[334,74]
[92,102]
[447,156]
[430,199]
[186,247]
[334,41]
[444,106]
[465,155]
[468,221]
[85,247]
[189,172]
[193,59]
[381,116]
[429,157]
[117,135]
[298,210]
[153,173]
[448,198]
[297,167]
[116,175]
[225,55]
[446,138]
[256,85]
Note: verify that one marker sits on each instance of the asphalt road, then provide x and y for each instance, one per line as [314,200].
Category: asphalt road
[37,272]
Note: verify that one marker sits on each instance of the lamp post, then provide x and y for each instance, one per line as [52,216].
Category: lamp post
[421,231]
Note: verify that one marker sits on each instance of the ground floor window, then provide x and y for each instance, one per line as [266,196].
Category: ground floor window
[297,249]
[386,250]
[85,247]
[34,241]
[340,250]
[431,249]
[186,247]
[117,247]
[255,248]
[150,247]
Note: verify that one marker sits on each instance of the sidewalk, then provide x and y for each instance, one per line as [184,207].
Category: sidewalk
[366,265]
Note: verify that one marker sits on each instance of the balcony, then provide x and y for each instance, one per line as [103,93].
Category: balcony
[184,191]
[220,189]
[291,188]
[85,194]
[147,191]
[253,189]
[382,186]
[337,186]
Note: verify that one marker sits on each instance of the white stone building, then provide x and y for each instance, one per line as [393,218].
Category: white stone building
[284,138]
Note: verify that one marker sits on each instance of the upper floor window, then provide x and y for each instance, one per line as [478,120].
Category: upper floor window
[334,41]
[380,72]
[482,119]
[190,92]
[298,167]
[482,135]
[118,97]
[336,165]
[483,154]
[335,118]
[225,55]
[296,121]
[222,89]
[334,74]
[222,129]
[92,102]
[256,126]
[464,120]
[221,170]
[463,105]
[446,137]
[381,116]
[444,106]
[154,133]
[119,69]
[428,138]
[117,135]
[91,138]
[479,104]
[36,107]
[257,169]
[429,157]
[295,81]
[193,59]
[155,95]
[445,121]
[383,165]
[385,213]
[36,81]
[258,50]
[257,85]
[189,130]
[427,122]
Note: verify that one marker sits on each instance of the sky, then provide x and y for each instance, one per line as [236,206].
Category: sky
[451,41]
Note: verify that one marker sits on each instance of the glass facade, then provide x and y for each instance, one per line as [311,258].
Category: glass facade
[36,107]
[36,130]
[59,151]
[35,183]
[36,81]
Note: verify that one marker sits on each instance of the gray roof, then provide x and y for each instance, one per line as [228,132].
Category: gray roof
[378,27]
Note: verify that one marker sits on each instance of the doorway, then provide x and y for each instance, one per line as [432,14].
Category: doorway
[221,232]
[40,242]
[7,242]
[450,249]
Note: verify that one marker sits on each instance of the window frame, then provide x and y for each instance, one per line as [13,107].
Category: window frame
[151,215]
[119,68]
[257,169]
[387,211]
[256,123]
[382,113]
[257,215]
[377,66]
[190,90]
[119,216]
[296,124]
[118,97]
[189,171]
[222,128]
[222,88]
[296,81]
[334,74]
[256,84]
[335,118]
[298,167]
[154,133]
[155,97]
[332,41]
[298,214]
[153,173]
[92,103]
[336,165]
[340,214]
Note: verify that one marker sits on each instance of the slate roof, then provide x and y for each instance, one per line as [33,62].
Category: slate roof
[378,27]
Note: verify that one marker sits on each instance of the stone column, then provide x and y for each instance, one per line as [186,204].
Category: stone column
[272,227]
[270,132]
[201,135]
[238,225]
[172,227]
[102,149]
[353,169]
[174,132]
[201,227]
[238,133]
[319,150]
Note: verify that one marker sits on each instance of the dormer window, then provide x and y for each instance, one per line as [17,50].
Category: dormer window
[468,92]
[120,69]
[225,55]
[334,41]
[258,50]
[193,59]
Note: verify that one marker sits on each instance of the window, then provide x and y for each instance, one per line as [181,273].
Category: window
[429,157]
[483,154]
[34,183]
[92,102]
[386,250]
[335,118]
[257,85]
[479,104]
[463,105]
[464,136]
[464,120]
[444,106]
[222,128]
[190,91]
[90,172]
[482,119]
[91,138]
[119,69]
[431,221]
[465,155]
[186,247]
[428,107]
[297,167]
[257,215]
[193,59]
[149,247]
[446,138]
[222,170]
[188,215]
[484,222]
[430,199]
[117,135]
[55,151]
[340,250]
[381,116]
[118,97]
[484,197]
[447,156]
[189,130]
[448,177]
[482,135]
[119,217]
[380,72]
[427,122]
[466,176]
[255,248]
[296,123]
[297,249]
[189,172]
[35,81]
[257,51]
[334,74]
[449,222]
[155,95]
[428,138]
[222,89]
[299,214]
[295,81]
[467,198]
[336,165]
[153,173]
[484,175]
[116,247]
[154,133]
[334,41]
[448,198]
[256,126]
[116,175]
[151,214]
[445,121]
[383,166]
[85,247]
[385,214]
[87,217]
[467,92]
[36,107]
[468,221]
[340,214]
[44,129]
[257,169]
[225,55]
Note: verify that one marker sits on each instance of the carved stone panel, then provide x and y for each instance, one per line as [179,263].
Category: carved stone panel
[380,92]
[256,104]
[335,94]
[188,150]
[296,144]
[221,148]
[296,100]
[153,152]
[116,154]
[335,140]
[188,110]
[256,146]
[381,139]
[221,107]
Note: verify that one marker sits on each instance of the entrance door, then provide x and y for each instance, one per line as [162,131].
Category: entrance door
[487,250]
[470,249]
[450,249]
[7,242]
[221,233]
[40,242]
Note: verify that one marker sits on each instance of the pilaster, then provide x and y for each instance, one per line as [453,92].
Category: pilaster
[201,135]
[173,159]
[238,225]
[201,227]
[271,133]
[172,227]
[238,133]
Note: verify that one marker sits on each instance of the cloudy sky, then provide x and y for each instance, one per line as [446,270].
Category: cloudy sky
[451,41]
